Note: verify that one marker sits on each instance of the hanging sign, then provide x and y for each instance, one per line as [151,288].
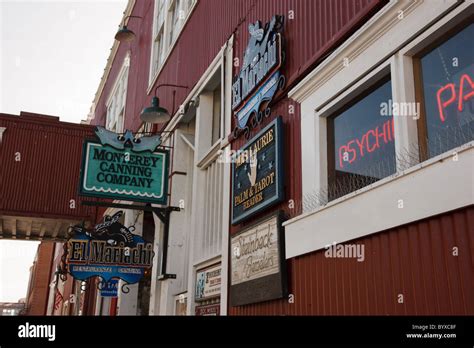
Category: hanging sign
[123,167]
[208,283]
[258,271]
[110,288]
[259,77]
[110,250]
[257,174]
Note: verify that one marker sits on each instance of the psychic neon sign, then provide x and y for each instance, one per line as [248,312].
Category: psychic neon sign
[448,95]
[369,142]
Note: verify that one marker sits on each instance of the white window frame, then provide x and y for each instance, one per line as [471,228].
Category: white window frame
[177,298]
[167,45]
[384,41]
[122,77]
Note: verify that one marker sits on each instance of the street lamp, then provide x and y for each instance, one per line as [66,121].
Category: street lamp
[124,34]
[156,113]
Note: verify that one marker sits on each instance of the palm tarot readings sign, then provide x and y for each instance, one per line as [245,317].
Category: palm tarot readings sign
[122,167]
[109,250]
[258,271]
[208,283]
[257,174]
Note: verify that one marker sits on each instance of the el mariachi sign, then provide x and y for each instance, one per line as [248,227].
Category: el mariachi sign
[257,173]
[122,167]
[258,271]
[109,251]
[259,77]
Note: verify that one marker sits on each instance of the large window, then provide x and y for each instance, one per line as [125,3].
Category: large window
[169,18]
[116,102]
[174,13]
[158,46]
[447,94]
[361,142]
[216,114]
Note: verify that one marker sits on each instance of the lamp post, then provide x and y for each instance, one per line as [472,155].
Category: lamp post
[124,34]
[156,113]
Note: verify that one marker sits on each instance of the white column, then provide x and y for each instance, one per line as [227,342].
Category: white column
[128,302]
[155,288]
[405,126]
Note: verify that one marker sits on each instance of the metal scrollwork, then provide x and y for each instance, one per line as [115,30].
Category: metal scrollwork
[125,288]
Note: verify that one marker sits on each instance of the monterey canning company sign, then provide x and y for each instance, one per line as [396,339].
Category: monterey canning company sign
[122,167]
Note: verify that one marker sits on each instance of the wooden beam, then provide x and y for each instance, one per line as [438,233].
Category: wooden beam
[42,231]
[14,229]
[28,229]
[57,227]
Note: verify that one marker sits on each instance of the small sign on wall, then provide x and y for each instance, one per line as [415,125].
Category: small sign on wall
[209,310]
[257,173]
[110,288]
[258,267]
[208,283]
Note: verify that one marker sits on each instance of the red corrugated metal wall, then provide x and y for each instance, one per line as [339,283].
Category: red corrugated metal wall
[46,177]
[414,260]
[317,26]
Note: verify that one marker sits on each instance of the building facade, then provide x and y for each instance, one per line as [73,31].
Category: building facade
[321,155]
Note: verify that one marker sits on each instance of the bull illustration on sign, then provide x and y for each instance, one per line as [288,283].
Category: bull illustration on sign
[112,231]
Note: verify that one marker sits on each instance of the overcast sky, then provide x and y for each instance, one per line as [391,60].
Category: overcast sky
[52,56]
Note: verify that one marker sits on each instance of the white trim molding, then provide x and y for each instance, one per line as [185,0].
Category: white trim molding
[384,45]
[439,185]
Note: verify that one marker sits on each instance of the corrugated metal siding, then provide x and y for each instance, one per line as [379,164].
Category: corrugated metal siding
[318,25]
[415,260]
[46,178]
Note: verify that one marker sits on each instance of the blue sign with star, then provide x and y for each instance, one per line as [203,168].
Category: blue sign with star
[257,173]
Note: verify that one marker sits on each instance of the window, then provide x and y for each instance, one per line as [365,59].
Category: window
[181,303]
[116,102]
[169,17]
[447,93]
[216,114]
[175,16]
[361,146]
[158,36]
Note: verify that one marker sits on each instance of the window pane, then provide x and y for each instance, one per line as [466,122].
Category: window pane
[216,114]
[448,89]
[363,141]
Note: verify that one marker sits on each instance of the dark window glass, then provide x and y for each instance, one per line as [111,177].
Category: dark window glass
[362,145]
[448,89]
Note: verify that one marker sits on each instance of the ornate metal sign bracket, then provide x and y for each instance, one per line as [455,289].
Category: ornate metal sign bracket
[163,213]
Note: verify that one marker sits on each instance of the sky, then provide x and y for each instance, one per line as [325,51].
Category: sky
[53,54]
[52,57]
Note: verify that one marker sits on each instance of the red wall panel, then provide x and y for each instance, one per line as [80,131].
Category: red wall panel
[318,26]
[46,178]
[414,260]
